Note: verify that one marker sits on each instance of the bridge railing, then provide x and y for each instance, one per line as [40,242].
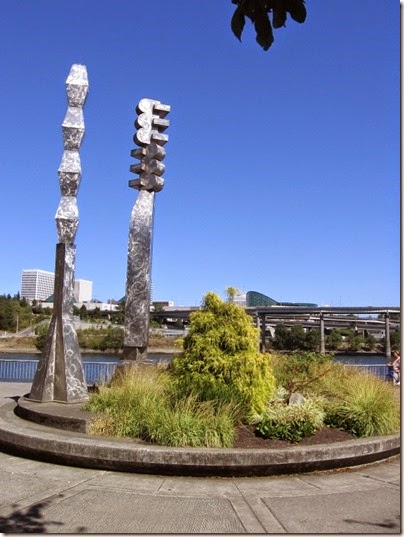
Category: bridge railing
[97,372]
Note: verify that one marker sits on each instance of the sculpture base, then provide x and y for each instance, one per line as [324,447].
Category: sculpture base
[60,375]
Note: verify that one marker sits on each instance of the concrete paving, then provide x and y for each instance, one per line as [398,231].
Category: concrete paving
[40,497]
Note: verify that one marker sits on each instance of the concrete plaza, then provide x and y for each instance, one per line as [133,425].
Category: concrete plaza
[40,497]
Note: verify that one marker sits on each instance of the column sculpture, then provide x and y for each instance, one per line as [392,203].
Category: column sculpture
[60,375]
[151,139]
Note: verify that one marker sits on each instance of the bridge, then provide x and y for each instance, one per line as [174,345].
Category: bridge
[321,317]
[310,316]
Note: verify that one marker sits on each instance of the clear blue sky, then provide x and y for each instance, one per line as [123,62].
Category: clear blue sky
[282,167]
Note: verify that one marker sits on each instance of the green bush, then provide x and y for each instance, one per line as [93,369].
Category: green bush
[291,422]
[300,371]
[353,400]
[112,340]
[334,340]
[220,359]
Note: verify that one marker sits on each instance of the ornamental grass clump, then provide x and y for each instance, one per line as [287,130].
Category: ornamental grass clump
[195,424]
[361,404]
[141,403]
[220,361]
[127,403]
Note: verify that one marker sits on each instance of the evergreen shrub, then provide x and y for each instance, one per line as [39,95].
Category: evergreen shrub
[220,359]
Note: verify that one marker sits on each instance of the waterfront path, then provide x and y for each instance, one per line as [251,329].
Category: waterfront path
[40,497]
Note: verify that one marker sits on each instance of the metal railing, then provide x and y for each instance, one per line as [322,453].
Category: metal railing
[97,372]
[379,370]
[24,371]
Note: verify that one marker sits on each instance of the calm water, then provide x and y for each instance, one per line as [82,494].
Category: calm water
[153,356]
[360,359]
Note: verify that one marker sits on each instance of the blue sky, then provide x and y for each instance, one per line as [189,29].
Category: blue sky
[282,167]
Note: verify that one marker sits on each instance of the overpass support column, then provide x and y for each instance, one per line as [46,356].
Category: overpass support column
[387,335]
[261,337]
[322,337]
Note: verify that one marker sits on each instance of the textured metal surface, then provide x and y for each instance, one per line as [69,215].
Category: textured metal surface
[149,136]
[138,271]
[60,374]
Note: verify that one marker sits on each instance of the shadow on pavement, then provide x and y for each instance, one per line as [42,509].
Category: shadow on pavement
[29,520]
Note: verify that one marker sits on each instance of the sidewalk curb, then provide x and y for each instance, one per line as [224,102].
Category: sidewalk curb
[39,441]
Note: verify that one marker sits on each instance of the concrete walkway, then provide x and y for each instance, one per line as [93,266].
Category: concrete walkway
[40,497]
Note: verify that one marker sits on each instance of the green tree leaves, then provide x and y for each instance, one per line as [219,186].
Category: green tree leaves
[258,12]
[11,309]
[221,360]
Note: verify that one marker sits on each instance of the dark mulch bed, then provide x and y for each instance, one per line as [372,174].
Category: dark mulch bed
[247,438]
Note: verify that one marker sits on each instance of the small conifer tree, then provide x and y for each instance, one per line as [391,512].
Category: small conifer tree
[220,359]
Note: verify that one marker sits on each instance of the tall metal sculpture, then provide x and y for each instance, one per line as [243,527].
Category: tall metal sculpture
[151,139]
[60,375]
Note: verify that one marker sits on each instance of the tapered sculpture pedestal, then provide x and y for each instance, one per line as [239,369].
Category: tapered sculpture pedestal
[60,375]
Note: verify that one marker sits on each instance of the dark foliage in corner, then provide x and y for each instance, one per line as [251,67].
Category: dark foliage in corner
[258,12]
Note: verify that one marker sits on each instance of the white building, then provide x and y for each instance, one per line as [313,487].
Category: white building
[37,284]
[102,306]
[240,299]
[83,290]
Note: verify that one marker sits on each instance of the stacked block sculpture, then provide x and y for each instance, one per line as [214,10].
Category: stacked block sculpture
[60,375]
[151,139]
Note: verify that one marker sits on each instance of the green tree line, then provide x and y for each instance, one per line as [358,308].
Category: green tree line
[296,338]
[17,314]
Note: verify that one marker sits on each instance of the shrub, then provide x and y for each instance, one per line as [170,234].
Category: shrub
[300,371]
[220,360]
[112,340]
[334,339]
[291,422]
[40,342]
[356,401]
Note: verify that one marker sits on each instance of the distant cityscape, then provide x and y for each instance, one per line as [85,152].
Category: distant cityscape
[38,285]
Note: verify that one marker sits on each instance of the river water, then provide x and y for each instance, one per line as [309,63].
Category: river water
[358,359]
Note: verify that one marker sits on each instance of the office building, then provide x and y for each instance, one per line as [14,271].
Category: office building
[37,284]
[83,291]
[240,299]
